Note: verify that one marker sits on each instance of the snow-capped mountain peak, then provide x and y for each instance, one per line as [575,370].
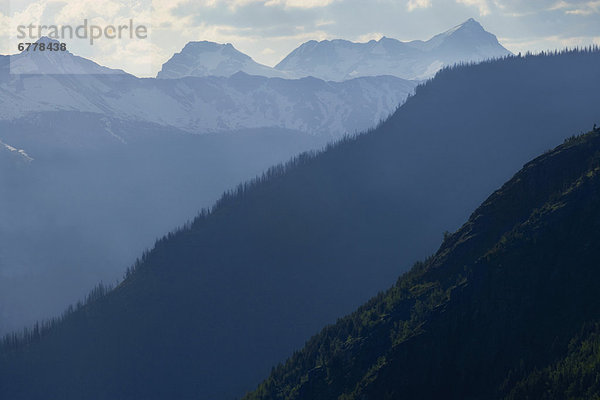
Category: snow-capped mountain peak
[205,58]
[469,24]
[225,51]
[340,59]
[54,61]
[467,40]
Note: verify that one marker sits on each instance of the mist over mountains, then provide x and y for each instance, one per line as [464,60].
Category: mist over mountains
[99,163]
[92,200]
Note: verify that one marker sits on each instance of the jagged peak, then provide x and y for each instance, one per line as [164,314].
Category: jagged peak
[196,48]
[470,25]
[208,46]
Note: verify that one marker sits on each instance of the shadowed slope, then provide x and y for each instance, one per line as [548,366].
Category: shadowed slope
[503,295]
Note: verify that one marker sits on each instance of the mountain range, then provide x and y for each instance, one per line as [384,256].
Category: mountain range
[198,105]
[213,306]
[87,151]
[340,60]
[234,92]
[81,143]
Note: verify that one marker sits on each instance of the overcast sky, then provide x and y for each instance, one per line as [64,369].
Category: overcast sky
[267,30]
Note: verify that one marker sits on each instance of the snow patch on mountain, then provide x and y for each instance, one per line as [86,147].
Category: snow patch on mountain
[19,152]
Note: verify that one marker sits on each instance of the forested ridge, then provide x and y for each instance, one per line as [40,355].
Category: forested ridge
[506,308]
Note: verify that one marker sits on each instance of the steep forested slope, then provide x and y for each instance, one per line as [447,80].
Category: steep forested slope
[99,191]
[211,308]
[504,295]
[575,376]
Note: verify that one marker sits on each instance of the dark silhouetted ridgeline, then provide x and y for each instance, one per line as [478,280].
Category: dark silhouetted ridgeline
[507,306]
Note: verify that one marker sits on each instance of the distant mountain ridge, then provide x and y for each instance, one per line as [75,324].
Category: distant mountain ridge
[330,60]
[232,93]
[65,82]
[339,60]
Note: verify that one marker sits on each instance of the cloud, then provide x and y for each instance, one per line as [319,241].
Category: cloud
[545,43]
[577,7]
[558,6]
[300,3]
[369,36]
[236,4]
[587,8]
[323,22]
[482,5]
[132,55]
[140,57]
[416,4]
